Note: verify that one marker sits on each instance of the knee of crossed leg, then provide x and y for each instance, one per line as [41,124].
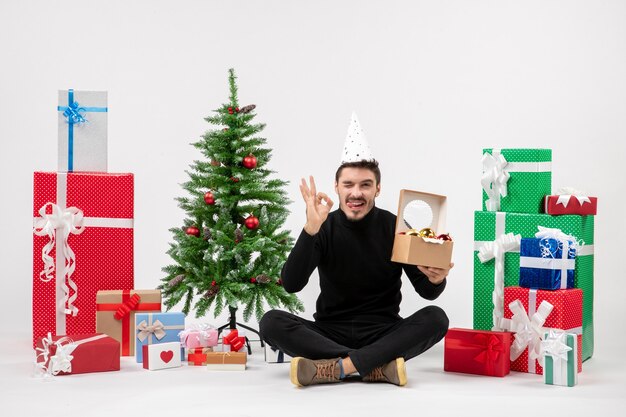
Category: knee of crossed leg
[438,318]
[267,325]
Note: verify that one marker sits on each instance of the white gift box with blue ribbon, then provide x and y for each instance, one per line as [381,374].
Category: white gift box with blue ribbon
[547,262]
[82,128]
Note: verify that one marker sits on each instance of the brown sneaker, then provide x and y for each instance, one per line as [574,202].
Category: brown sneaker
[393,372]
[308,372]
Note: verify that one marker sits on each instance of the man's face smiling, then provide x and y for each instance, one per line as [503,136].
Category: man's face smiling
[357,190]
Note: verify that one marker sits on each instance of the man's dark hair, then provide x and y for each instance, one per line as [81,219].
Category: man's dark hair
[371,164]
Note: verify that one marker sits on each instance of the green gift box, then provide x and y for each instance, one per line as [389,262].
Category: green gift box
[516,180]
[559,352]
[490,225]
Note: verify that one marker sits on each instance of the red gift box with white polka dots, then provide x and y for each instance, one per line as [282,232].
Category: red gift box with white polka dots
[95,212]
[567,314]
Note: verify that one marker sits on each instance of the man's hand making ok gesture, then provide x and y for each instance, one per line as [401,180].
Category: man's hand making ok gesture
[318,206]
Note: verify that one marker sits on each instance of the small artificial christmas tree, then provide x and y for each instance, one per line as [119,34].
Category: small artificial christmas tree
[230,250]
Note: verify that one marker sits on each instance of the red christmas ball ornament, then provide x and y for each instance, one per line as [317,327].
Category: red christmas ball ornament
[253,280]
[249,161]
[237,109]
[230,110]
[445,236]
[193,231]
[213,283]
[209,198]
[252,222]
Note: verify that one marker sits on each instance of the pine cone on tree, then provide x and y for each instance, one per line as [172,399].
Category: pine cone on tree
[212,291]
[206,233]
[248,108]
[238,235]
[263,279]
[176,280]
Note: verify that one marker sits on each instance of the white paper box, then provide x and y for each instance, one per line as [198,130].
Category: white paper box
[273,355]
[161,356]
[82,124]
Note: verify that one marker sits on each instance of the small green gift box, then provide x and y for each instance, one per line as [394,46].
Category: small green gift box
[516,180]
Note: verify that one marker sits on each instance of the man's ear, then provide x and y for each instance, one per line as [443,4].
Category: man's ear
[377,189]
[336,188]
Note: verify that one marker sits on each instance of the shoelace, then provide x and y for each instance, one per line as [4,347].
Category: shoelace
[326,370]
[377,374]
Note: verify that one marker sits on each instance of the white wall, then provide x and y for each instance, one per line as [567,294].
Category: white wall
[433,82]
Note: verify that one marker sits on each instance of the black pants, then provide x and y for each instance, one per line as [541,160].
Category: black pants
[369,343]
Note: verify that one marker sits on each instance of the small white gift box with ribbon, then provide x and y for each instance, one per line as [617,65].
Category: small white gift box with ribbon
[82,131]
[161,356]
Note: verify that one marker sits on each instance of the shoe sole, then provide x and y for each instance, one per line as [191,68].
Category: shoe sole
[293,372]
[401,371]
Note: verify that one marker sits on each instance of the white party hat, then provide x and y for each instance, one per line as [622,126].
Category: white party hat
[356,147]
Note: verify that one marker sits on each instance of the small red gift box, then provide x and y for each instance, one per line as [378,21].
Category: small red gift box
[233,342]
[565,314]
[478,352]
[82,243]
[197,356]
[570,204]
[77,354]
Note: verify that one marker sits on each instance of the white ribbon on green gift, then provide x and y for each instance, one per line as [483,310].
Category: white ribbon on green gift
[496,250]
[496,175]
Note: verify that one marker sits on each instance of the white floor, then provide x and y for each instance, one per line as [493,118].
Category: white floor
[264,390]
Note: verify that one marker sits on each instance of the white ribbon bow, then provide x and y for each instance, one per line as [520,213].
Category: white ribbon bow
[496,249]
[567,243]
[555,345]
[61,361]
[566,193]
[146,330]
[66,221]
[494,179]
[528,331]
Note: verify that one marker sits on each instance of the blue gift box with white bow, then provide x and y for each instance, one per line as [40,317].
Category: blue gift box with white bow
[547,264]
[155,328]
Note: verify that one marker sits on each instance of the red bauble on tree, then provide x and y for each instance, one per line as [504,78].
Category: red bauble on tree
[249,161]
[251,222]
[193,231]
[253,280]
[209,198]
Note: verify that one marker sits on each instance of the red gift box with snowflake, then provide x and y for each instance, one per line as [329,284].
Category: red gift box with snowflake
[529,313]
[82,243]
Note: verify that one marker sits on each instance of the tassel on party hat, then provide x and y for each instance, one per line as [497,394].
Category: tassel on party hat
[356,147]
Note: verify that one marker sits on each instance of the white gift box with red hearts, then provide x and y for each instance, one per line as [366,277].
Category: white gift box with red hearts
[161,356]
